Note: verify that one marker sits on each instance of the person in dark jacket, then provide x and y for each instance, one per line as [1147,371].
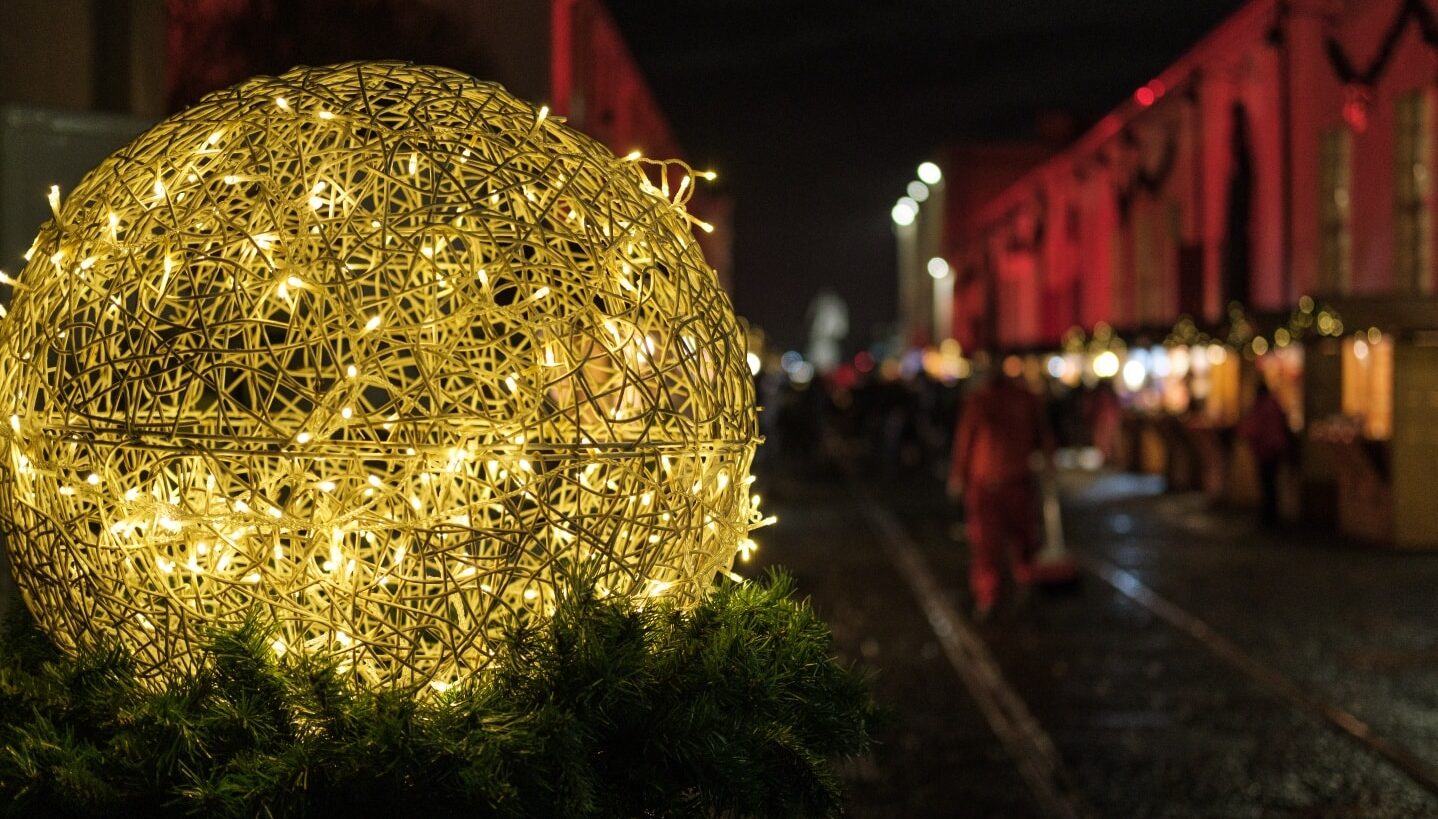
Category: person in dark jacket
[1265,429]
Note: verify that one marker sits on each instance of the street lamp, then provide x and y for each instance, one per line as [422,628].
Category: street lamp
[904,211]
[943,298]
[925,310]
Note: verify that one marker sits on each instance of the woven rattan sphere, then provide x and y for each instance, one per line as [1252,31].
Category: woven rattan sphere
[377,348]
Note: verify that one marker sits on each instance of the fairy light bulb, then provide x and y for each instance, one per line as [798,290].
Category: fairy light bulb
[376,417]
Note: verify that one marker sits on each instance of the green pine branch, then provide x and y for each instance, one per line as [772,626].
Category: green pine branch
[732,709]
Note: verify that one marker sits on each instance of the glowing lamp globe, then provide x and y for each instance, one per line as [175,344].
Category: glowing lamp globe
[381,350]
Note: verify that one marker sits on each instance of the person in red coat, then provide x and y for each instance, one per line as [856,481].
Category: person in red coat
[1001,427]
[1265,429]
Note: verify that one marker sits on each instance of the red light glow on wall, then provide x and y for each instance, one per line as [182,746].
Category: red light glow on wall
[1149,94]
[1357,99]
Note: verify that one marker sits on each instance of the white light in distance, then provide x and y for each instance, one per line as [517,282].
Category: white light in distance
[1133,374]
[904,211]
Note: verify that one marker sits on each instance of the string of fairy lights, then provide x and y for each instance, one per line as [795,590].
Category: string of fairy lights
[382,349]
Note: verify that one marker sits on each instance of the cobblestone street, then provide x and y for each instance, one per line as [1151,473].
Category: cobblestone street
[1199,668]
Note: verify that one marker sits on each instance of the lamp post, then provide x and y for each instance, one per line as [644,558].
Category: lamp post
[925,298]
[939,270]
[904,214]
[931,236]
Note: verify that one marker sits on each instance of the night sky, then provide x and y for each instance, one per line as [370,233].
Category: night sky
[816,113]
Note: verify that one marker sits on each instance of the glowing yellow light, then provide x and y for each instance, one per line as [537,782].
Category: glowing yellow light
[746,549]
[406,496]
[1106,364]
[1178,361]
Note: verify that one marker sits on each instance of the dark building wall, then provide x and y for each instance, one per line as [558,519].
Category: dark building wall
[215,43]
[83,55]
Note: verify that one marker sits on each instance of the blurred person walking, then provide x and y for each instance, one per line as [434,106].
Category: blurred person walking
[1104,414]
[1000,428]
[1265,428]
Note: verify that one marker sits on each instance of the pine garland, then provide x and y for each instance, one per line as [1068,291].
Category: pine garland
[733,708]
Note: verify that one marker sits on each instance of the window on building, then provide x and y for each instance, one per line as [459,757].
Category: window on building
[1335,171]
[1413,216]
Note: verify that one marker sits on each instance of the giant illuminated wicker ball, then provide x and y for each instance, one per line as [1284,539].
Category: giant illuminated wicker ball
[377,348]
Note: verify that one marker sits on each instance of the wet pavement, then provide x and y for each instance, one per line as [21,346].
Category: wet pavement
[1147,721]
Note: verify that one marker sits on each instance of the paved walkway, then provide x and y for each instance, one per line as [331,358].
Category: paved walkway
[1146,719]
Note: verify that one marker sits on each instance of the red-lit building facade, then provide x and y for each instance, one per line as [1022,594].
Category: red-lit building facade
[1283,166]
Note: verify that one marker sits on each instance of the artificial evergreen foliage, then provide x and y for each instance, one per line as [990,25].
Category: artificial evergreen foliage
[733,708]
